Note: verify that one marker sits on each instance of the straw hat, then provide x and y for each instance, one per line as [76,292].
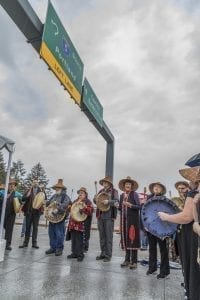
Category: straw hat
[106,179]
[128,179]
[12,181]
[59,184]
[185,183]
[191,174]
[151,186]
[82,189]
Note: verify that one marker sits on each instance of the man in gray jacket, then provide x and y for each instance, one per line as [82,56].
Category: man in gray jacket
[106,214]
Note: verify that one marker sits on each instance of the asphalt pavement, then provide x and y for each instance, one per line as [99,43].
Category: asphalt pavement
[30,274]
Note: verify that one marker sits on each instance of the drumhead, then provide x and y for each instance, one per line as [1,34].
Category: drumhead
[151,220]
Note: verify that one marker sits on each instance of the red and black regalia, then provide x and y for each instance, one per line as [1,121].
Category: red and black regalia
[77,230]
[130,225]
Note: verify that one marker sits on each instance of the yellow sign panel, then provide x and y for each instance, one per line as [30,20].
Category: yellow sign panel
[59,72]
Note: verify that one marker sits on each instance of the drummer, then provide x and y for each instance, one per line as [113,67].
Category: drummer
[77,228]
[189,239]
[105,219]
[157,190]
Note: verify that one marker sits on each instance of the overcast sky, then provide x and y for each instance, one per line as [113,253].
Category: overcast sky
[141,57]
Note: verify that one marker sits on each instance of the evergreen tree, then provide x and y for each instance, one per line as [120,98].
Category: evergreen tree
[2,169]
[38,172]
[18,172]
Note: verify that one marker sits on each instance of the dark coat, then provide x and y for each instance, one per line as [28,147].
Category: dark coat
[112,212]
[9,205]
[130,222]
[28,201]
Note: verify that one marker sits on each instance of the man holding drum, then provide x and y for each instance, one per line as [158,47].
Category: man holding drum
[106,200]
[56,211]
[32,214]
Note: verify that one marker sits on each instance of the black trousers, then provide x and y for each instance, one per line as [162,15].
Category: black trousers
[164,256]
[191,269]
[9,225]
[32,218]
[77,243]
[131,255]
[178,241]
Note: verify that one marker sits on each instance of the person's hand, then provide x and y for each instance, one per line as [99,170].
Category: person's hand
[55,211]
[163,216]
[196,198]
[128,204]
[105,202]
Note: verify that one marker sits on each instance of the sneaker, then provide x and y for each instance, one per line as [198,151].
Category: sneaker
[35,246]
[58,252]
[72,256]
[162,276]
[149,272]
[125,264]
[133,266]
[50,251]
[99,257]
[107,259]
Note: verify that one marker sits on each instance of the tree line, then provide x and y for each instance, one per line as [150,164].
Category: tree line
[24,178]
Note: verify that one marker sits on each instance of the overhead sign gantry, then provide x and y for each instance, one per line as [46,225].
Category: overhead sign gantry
[53,44]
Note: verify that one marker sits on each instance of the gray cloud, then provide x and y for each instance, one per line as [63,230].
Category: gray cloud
[142,60]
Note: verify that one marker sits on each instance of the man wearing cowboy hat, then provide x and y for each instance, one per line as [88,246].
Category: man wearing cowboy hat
[129,207]
[57,230]
[77,227]
[182,187]
[10,214]
[32,216]
[106,218]
[157,189]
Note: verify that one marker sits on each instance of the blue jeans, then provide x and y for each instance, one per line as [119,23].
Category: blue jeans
[144,239]
[56,235]
[24,227]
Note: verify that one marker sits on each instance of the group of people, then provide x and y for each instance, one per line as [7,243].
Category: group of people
[59,208]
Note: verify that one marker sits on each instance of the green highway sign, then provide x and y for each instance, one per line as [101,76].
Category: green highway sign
[91,101]
[60,54]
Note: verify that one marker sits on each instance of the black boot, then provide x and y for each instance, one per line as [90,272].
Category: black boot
[35,245]
[25,243]
[8,247]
